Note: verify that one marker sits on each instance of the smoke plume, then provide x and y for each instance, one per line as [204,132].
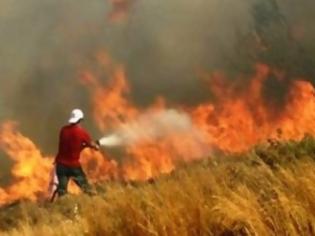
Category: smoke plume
[162,44]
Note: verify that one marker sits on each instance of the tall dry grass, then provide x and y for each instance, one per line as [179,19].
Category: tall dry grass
[268,191]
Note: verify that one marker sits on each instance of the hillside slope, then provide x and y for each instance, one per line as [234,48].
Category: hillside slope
[266,191]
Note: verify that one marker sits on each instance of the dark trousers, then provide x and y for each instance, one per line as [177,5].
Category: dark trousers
[65,173]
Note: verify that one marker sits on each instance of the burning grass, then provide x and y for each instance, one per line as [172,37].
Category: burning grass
[266,191]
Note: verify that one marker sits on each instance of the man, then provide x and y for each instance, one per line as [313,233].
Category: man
[72,140]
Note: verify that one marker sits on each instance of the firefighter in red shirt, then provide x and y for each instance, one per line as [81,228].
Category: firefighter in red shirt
[72,140]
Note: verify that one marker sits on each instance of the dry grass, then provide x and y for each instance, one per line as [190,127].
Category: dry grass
[267,191]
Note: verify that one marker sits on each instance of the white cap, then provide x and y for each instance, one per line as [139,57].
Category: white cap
[75,116]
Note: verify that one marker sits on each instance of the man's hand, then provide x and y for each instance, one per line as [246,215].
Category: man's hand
[95,145]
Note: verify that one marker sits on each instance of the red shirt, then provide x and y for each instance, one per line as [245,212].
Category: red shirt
[71,141]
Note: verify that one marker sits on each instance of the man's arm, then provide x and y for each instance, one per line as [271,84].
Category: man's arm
[89,143]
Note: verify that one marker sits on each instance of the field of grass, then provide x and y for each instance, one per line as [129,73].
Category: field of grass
[269,190]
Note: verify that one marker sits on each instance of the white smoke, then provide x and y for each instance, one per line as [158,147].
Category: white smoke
[152,126]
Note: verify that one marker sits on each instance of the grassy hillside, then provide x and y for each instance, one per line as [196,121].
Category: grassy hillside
[268,191]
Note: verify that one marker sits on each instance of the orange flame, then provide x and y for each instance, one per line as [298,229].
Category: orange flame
[109,103]
[30,171]
[240,120]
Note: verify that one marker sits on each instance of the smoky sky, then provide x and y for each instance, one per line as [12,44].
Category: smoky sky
[162,44]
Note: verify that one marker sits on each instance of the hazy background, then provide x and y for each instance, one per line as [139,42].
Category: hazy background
[44,45]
